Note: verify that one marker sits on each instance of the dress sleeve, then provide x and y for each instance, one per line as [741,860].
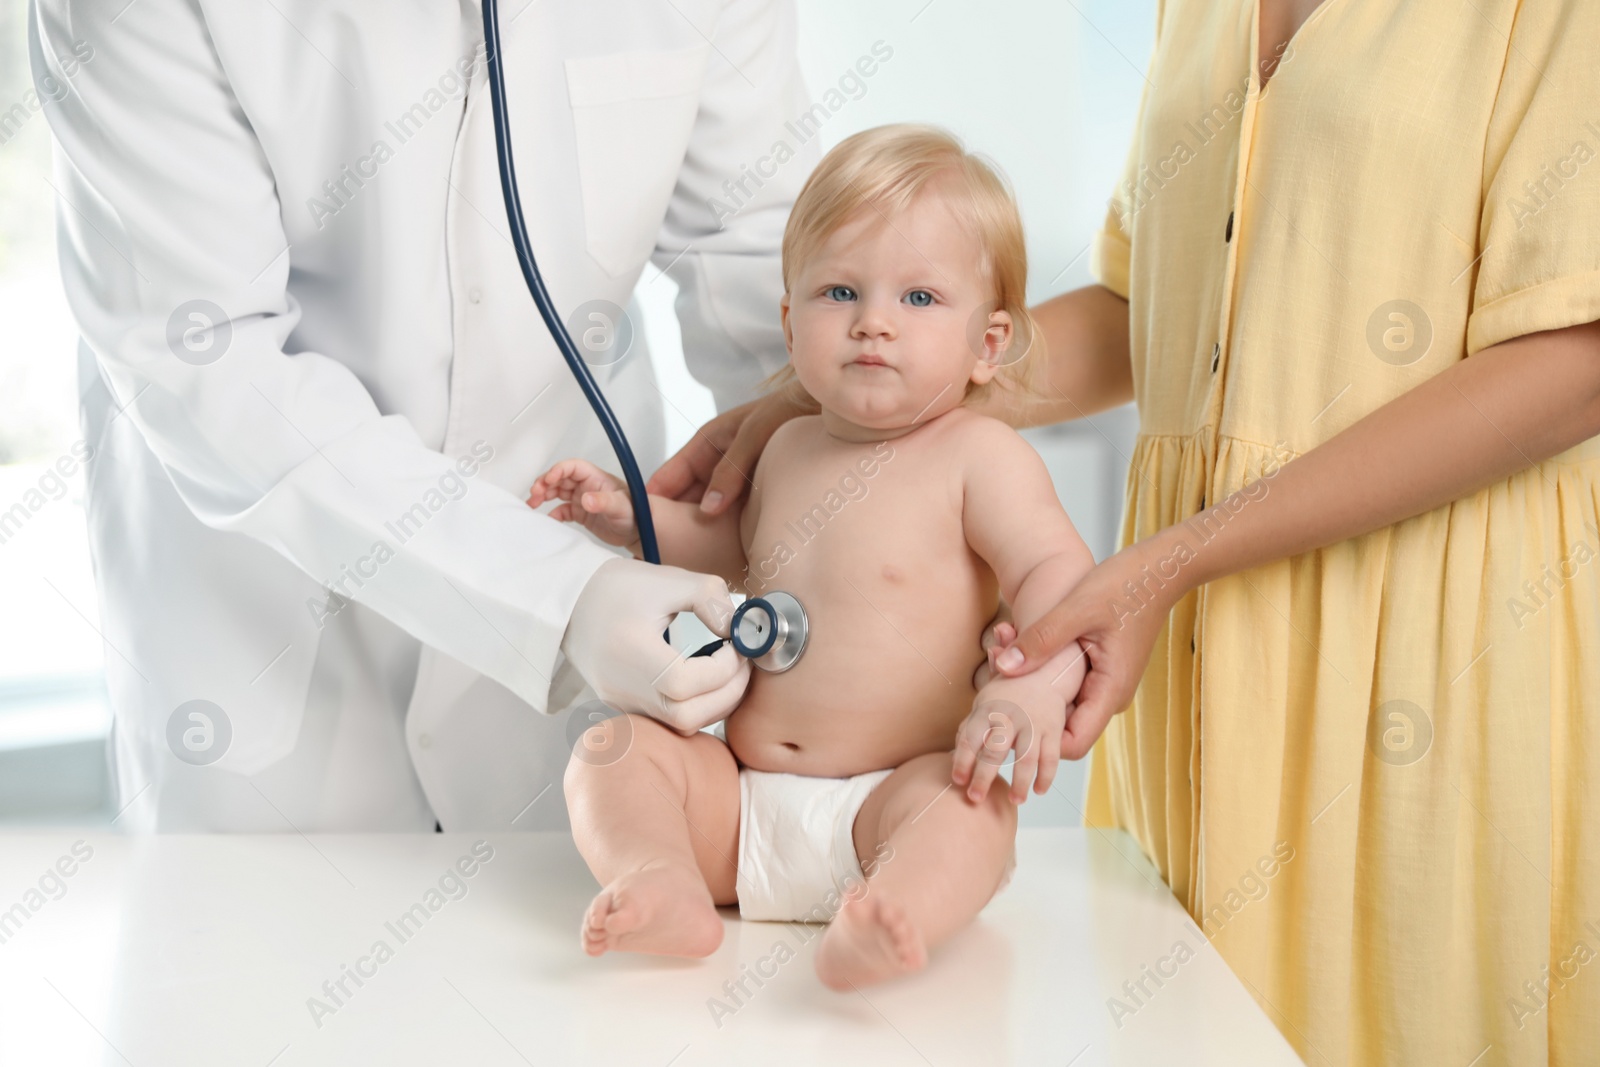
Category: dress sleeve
[1539,234]
[1113,242]
[1108,252]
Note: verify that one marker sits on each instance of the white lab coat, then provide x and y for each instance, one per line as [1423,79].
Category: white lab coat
[318,171]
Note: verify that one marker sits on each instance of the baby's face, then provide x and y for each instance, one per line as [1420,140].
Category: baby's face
[884,324]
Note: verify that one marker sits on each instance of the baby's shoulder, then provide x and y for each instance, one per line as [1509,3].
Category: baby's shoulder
[978,437]
[791,437]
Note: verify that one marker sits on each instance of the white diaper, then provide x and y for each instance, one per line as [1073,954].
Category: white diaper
[797,852]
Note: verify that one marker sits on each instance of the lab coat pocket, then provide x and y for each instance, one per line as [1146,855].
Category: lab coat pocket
[632,113]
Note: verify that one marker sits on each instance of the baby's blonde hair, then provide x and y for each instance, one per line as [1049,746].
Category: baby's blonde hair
[884,168]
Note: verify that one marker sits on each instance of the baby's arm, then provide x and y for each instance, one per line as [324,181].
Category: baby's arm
[1015,522]
[686,536]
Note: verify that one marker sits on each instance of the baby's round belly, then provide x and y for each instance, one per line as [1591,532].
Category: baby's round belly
[855,704]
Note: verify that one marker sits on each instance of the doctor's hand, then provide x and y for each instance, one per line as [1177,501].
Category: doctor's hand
[715,466]
[592,497]
[614,639]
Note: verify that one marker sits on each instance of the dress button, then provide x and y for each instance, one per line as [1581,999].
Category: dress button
[1216,356]
[424,740]
[475,295]
[1227,234]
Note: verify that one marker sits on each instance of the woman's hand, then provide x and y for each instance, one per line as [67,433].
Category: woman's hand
[997,637]
[1116,630]
[592,497]
[716,465]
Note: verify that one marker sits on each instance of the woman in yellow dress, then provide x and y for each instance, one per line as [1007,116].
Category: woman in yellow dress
[1352,280]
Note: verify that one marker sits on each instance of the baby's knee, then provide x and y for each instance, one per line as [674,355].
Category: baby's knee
[996,807]
[614,741]
[998,804]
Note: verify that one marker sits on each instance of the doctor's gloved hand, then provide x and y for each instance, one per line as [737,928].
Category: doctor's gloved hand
[614,639]
[592,497]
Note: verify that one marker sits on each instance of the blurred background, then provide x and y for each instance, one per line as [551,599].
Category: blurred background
[1046,88]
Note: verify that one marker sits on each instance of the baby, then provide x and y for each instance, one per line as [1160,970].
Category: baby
[899,518]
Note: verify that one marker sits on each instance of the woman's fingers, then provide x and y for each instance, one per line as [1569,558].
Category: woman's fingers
[1047,636]
[683,476]
[1097,702]
[738,462]
[688,473]
[983,675]
[999,632]
[996,636]
[734,470]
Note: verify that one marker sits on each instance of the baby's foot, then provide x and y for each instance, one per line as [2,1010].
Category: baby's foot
[870,940]
[659,908]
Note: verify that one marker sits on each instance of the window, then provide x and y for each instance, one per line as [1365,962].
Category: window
[53,714]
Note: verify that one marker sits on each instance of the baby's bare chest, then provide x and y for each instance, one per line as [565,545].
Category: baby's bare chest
[872,515]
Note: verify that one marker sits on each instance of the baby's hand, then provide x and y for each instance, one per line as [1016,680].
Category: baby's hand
[1024,714]
[598,500]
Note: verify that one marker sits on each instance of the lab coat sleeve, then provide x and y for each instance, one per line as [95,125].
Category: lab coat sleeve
[746,161]
[165,198]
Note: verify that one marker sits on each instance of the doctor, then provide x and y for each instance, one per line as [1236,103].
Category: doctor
[315,390]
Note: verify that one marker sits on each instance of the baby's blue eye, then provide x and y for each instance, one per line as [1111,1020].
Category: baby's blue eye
[840,292]
[919,298]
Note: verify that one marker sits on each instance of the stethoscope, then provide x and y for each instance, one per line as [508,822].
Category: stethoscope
[768,630]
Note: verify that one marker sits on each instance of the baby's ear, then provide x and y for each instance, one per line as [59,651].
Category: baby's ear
[983,372]
[783,318]
[993,346]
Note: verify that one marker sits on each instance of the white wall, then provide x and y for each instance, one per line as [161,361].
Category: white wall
[1049,90]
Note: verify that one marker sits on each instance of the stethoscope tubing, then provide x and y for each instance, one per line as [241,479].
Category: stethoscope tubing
[541,296]
[574,359]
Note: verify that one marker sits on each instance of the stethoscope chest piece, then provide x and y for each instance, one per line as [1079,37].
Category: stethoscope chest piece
[770,631]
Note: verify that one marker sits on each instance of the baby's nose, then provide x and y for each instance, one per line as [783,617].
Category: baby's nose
[874,321]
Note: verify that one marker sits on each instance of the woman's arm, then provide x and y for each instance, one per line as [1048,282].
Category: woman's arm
[1504,409]
[1476,422]
[1084,336]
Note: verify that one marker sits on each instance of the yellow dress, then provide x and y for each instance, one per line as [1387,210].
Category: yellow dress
[1370,772]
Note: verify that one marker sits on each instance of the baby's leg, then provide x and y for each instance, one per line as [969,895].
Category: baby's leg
[933,859]
[658,825]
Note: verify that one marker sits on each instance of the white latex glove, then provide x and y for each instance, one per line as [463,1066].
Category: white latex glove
[614,639]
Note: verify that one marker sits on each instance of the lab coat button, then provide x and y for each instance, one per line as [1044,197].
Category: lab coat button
[424,740]
[475,295]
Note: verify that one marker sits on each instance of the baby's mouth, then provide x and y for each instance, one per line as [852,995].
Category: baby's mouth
[868,359]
